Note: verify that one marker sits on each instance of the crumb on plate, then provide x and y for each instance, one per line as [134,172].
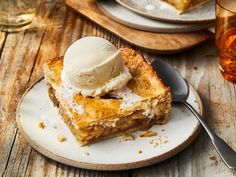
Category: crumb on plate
[140,151]
[41,125]
[87,153]
[61,138]
[128,137]
[54,126]
[159,141]
[148,133]
[165,141]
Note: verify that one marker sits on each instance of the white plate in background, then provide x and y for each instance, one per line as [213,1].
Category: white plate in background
[126,17]
[160,10]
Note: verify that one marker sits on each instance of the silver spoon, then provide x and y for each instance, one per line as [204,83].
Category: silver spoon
[180,90]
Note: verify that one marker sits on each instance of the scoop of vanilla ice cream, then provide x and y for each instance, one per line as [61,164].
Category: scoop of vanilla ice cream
[93,66]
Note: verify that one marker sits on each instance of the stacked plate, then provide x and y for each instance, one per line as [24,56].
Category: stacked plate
[158,16]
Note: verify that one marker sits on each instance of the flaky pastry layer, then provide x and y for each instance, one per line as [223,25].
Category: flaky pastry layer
[105,117]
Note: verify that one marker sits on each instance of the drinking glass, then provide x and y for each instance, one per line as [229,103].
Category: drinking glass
[225,37]
[16,15]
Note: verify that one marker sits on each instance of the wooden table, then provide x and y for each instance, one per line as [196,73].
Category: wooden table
[21,58]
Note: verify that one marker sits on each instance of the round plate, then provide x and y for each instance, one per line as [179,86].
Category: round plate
[162,11]
[111,154]
[126,17]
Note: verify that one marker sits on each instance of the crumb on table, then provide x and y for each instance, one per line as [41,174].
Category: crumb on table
[61,138]
[128,137]
[41,125]
[148,133]
[212,158]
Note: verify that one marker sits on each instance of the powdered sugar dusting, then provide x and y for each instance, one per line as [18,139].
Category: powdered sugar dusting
[69,94]
[128,97]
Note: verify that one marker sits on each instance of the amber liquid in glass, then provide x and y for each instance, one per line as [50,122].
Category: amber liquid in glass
[227,46]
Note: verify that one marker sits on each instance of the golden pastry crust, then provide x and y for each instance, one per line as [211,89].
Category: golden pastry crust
[103,117]
[186,5]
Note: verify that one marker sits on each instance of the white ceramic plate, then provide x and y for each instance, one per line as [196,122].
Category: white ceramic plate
[112,154]
[126,17]
[160,10]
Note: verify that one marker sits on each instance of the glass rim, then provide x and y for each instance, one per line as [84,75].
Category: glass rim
[217,2]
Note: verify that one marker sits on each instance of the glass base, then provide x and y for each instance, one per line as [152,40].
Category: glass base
[16,24]
[14,28]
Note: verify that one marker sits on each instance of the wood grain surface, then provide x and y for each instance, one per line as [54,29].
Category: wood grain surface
[56,27]
[149,41]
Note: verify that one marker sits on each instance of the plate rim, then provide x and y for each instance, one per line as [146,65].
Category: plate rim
[108,167]
[189,28]
[163,19]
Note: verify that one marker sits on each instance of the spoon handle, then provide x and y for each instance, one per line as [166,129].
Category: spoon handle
[227,154]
